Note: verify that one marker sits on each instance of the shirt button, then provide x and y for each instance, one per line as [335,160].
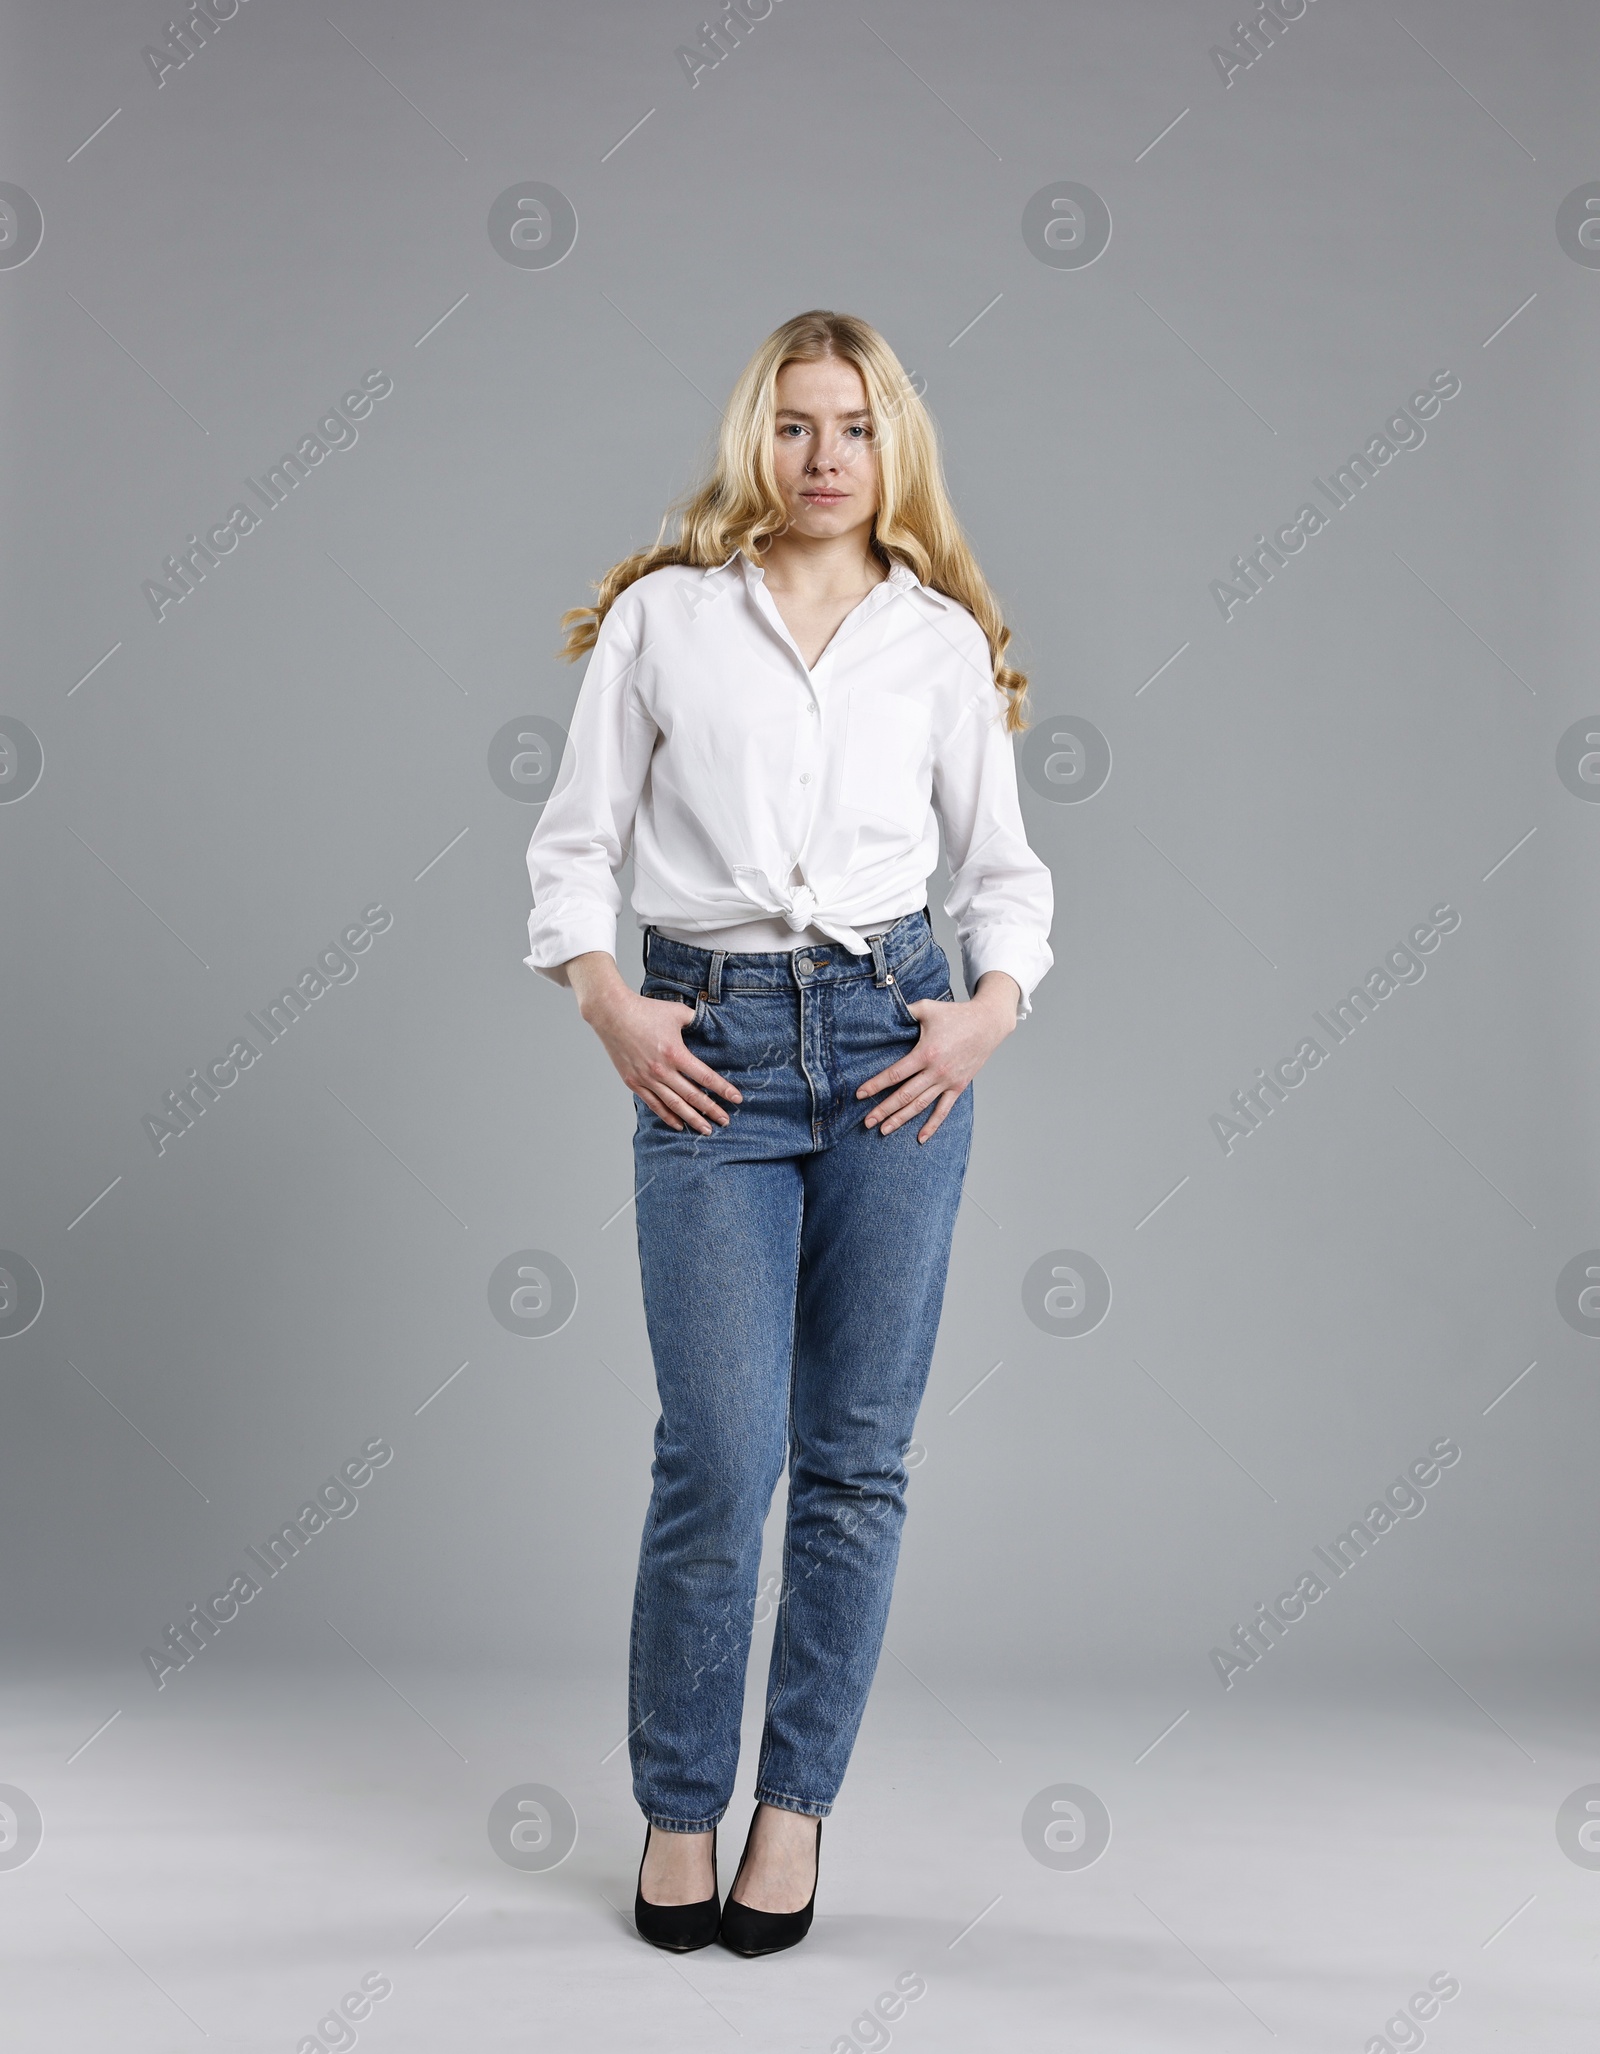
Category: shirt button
[805,777]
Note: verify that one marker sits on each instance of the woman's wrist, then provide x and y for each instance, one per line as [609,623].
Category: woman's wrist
[595,981]
[1000,994]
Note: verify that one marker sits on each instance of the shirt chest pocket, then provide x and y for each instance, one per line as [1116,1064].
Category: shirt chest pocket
[886,763]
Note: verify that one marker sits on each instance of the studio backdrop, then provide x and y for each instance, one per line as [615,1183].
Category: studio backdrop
[347,349]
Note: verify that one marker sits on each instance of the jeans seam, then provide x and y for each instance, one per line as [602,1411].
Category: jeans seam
[781,1681]
[636,1732]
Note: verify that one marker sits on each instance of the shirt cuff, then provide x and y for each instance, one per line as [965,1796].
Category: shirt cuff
[1021,952]
[552,946]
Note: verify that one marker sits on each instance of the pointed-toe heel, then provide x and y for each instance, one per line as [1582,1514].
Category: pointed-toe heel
[750,1932]
[680,1928]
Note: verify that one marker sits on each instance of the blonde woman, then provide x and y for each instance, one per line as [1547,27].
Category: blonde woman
[789,697]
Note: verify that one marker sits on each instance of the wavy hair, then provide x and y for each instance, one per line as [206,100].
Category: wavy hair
[738,507]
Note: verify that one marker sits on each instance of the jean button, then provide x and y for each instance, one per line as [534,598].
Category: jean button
[804,965]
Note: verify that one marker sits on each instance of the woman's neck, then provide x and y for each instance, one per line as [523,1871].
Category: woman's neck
[816,571]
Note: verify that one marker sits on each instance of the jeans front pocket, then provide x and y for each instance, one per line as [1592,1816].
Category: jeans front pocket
[925,975]
[681,994]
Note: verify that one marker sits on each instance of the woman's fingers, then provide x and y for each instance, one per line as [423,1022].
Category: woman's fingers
[897,1073]
[939,1067]
[881,1114]
[691,1103]
[946,1100]
[649,1098]
[671,1080]
[908,1105]
[655,1065]
[704,1105]
[918,1079]
[910,1065]
[676,1110]
[689,1067]
[711,1080]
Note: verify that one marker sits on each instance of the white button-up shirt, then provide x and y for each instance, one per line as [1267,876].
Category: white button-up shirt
[759,795]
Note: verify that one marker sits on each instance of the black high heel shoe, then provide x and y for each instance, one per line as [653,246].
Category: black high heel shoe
[751,1932]
[680,1928]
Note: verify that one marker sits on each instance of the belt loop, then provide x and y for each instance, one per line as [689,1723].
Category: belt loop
[647,934]
[714,979]
[880,962]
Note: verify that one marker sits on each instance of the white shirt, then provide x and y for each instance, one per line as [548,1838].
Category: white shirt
[759,796]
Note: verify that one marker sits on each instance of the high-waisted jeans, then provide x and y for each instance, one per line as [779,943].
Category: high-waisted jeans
[794,1266]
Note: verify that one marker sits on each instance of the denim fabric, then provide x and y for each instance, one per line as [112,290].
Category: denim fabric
[793,1265]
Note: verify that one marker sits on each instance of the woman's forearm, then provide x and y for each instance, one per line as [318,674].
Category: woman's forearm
[593,978]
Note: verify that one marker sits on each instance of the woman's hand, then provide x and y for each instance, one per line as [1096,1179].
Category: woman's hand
[956,1041]
[644,1039]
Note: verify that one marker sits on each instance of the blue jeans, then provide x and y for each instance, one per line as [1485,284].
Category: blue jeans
[793,1265]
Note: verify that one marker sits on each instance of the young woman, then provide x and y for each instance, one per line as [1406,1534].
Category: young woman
[786,703]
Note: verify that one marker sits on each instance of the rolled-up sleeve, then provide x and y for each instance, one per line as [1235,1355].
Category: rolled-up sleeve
[1001,895]
[586,828]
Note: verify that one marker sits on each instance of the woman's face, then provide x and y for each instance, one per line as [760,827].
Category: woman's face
[824,452]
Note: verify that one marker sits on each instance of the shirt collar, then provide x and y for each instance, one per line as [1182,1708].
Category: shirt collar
[901,576]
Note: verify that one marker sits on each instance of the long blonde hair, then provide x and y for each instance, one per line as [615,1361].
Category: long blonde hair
[738,506]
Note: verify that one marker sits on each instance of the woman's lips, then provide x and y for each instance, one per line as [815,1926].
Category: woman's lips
[824,498]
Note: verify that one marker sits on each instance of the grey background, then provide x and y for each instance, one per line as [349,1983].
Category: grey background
[307,732]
